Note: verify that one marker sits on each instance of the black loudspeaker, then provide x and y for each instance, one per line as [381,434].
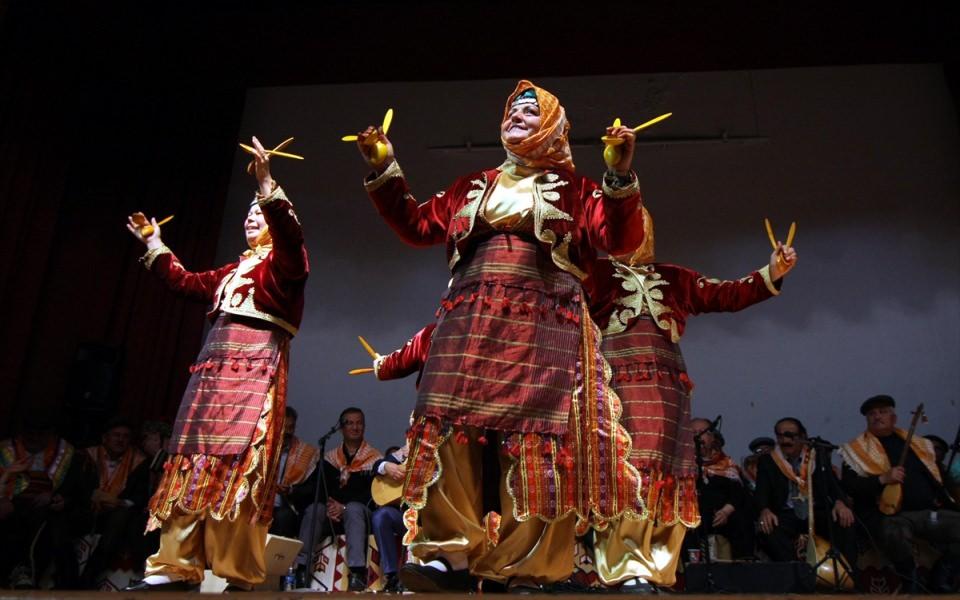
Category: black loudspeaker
[751,578]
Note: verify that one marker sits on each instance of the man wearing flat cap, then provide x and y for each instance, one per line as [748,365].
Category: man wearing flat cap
[761,445]
[926,512]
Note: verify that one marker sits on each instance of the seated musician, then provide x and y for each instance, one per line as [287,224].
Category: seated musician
[724,503]
[926,509]
[782,498]
[387,521]
[347,470]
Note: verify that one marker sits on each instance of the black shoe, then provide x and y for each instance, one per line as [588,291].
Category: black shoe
[637,585]
[391,584]
[173,586]
[489,586]
[233,588]
[572,586]
[421,578]
[358,583]
[21,578]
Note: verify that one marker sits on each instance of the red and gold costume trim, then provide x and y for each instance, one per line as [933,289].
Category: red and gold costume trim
[218,485]
[643,311]
[228,385]
[584,471]
[266,284]
[572,215]
[407,359]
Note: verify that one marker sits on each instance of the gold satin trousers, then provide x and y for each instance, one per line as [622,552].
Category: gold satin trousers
[452,521]
[234,550]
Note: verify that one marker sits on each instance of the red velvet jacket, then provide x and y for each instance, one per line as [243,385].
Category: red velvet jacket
[406,359]
[668,293]
[572,215]
[267,285]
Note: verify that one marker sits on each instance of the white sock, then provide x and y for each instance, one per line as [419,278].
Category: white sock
[634,582]
[157,579]
[437,564]
[457,560]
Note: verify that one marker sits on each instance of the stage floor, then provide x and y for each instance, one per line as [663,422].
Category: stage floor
[53,595]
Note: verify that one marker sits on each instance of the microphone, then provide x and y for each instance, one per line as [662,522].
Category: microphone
[716,423]
[712,427]
[329,434]
[819,442]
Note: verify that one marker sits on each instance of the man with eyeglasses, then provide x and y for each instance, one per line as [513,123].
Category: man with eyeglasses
[723,500]
[782,497]
[927,511]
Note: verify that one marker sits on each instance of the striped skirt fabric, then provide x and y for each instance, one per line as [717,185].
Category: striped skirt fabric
[228,386]
[504,355]
[649,376]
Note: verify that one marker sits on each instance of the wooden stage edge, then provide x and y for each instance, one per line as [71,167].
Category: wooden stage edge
[56,595]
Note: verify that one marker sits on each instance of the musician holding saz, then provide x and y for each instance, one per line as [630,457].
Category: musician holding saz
[783,497]
[915,505]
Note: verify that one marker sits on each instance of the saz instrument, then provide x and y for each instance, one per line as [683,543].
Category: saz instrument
[817,547]
[386,491]
[892,496]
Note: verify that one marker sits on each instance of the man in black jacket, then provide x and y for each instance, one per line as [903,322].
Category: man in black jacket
[782,497]
[926,512]
[724,502]
[348,473]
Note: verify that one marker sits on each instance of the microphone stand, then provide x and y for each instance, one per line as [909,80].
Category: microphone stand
[321,481]
[704,528]
[833,555]
[953,452]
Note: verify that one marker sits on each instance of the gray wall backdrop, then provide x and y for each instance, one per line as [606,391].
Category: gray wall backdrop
[863,158]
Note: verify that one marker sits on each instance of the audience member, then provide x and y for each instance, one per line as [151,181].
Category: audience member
[347,471]
[48,490]
[120,499]
[926,510]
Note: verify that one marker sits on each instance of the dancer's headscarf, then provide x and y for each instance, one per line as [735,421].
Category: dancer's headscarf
[549,147]
[264,239]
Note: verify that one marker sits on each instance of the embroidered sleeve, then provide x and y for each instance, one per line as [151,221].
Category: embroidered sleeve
[612,216]
[416,224]
[374,181]
[289,255]
[772,286]
[702,294]
[151,255]
[620,186]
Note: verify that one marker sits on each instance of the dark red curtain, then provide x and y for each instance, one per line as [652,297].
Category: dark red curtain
[91,129]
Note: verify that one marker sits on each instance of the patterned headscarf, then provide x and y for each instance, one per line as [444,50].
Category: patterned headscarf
[549,147]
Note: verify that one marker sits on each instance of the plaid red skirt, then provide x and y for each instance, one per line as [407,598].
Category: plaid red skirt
[222,403]
[504,355]
[650,378]
[515,351]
